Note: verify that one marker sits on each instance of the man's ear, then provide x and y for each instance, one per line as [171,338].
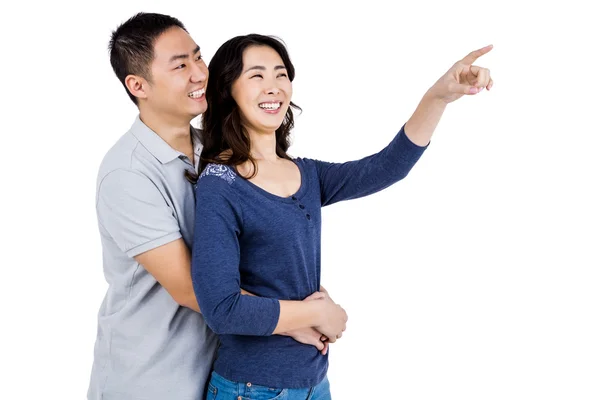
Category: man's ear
[137,86]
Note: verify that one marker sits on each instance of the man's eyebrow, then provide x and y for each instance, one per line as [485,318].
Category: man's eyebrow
[183,56]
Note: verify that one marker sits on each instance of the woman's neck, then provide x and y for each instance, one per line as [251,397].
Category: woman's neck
[263,146]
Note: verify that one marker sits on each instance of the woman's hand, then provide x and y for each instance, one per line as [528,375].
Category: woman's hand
[463,78]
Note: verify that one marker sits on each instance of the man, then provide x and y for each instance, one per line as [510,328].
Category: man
[152,341]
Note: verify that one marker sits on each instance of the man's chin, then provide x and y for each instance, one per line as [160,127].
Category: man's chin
[196,111]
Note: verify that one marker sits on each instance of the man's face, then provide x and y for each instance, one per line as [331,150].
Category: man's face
[179,77]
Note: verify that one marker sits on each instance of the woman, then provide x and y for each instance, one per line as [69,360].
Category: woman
[258,215]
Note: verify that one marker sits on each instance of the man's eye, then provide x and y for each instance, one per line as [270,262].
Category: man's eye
[182,66]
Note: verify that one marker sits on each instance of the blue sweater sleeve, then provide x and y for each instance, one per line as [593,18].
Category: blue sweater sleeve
[215,265]
[355,179]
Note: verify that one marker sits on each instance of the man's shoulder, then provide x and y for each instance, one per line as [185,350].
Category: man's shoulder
[123,155]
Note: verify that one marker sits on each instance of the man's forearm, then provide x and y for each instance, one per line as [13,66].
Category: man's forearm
[192,303]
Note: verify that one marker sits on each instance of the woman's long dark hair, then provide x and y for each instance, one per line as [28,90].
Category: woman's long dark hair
[224,139]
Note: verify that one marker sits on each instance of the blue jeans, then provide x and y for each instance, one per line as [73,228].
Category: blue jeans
[220,388]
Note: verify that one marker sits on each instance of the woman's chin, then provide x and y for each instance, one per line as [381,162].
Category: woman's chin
[267,127]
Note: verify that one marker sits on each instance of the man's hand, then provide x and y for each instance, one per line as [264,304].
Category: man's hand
[333,320]
[463,78]
[312,337]
[333,316]
[324,294]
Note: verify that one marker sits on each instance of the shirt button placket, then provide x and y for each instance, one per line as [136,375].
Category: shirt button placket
[302,207]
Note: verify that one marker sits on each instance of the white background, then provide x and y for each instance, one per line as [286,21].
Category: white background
[477,277]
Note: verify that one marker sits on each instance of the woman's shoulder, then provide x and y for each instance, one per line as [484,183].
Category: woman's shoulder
[307,164]
[224,172]
[303,161]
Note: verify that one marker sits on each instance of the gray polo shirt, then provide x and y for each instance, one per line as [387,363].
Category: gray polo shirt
[147,347]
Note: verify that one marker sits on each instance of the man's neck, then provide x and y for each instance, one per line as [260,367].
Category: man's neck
[175,132]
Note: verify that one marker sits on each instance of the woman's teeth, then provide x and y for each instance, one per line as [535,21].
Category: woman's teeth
[270,106]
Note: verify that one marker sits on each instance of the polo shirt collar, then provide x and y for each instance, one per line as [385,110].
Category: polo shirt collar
[156,145]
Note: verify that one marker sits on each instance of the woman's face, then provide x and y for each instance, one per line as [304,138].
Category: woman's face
[263,91]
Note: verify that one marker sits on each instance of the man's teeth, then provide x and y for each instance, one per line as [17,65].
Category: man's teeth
[196,94]
[270,106]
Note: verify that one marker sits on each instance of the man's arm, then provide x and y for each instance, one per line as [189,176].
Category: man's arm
[134,213]
[170,265]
